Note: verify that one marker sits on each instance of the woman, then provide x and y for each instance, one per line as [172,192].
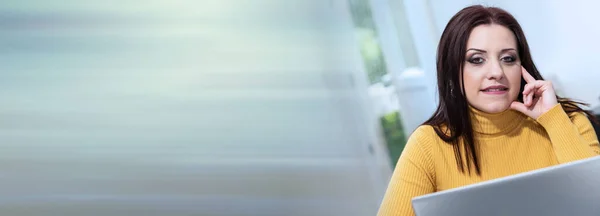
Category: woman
[496,116]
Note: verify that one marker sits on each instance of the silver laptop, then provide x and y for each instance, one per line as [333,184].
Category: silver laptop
[571,189]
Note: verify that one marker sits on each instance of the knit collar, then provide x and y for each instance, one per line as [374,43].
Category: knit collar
[492,124]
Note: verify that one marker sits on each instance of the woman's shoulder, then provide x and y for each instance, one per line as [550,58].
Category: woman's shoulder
[423,132]
[425,137]
[579,117]
[428,132]
[422,147]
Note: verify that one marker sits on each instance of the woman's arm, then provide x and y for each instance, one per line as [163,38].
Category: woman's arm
[413,176]
[572,138]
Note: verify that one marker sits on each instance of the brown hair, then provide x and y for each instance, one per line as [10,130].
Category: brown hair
[451,120]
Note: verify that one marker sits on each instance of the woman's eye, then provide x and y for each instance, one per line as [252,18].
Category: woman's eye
[476,60]
[509,59]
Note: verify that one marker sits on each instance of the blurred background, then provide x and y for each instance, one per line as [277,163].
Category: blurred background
[235,107]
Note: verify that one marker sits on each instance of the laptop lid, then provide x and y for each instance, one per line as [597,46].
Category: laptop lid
[568,189]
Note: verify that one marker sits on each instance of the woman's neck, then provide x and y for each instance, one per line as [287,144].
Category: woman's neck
[493,124]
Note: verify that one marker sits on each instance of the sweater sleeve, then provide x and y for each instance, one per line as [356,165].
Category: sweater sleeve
[413,176]
[572,138]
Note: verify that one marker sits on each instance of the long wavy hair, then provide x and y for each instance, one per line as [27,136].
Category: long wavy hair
[451,120]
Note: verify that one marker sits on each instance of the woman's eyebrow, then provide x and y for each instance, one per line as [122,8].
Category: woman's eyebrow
[475,49]
[480,50]
[509,49]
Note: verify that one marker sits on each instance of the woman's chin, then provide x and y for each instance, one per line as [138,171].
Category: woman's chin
[494,108]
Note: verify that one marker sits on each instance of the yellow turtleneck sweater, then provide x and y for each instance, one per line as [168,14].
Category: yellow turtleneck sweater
[509,143]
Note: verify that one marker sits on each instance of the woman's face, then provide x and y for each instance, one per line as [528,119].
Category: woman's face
[492,68]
